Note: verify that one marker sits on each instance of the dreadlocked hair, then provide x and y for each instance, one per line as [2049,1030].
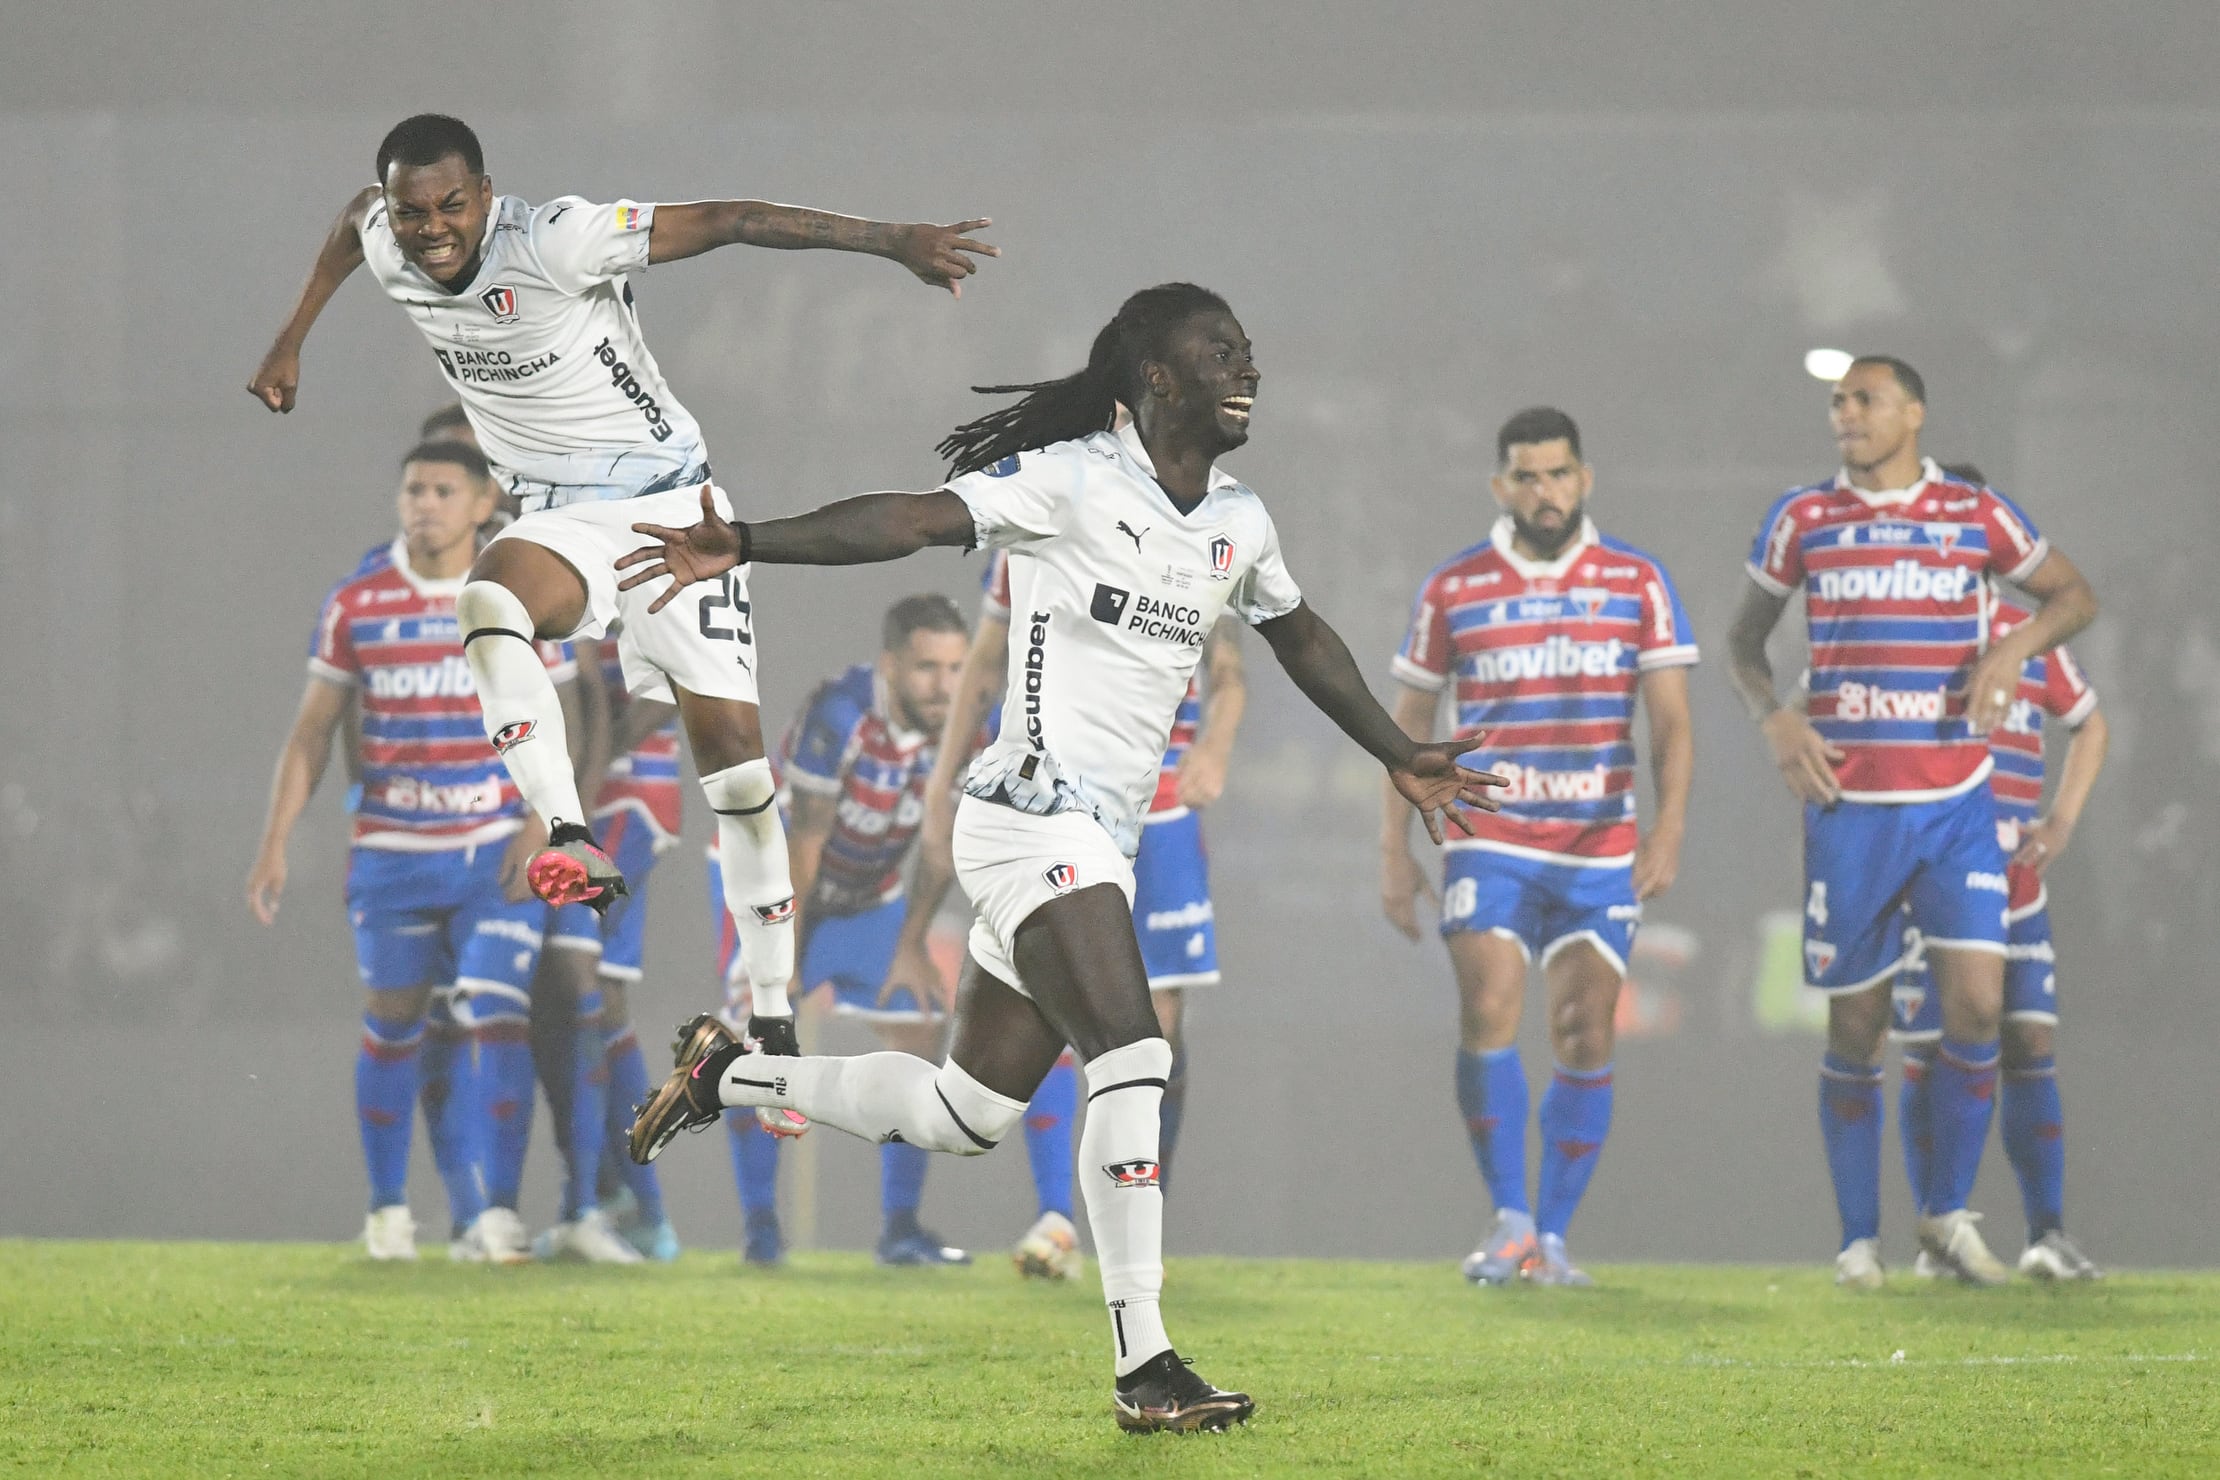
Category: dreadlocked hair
[1059,410]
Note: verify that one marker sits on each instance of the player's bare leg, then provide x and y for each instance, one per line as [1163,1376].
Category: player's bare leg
[1491,967]
[1850,1128]
[726,739]
[1962,1100]
[518,592]
[1583,987]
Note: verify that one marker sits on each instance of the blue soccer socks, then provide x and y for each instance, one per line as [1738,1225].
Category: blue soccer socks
[1962,1087]
[1915,1124]
[1492,1099]
[386,1080]
[1850,1125]
[2035,1140]
[1575,1120]
[1048,1136]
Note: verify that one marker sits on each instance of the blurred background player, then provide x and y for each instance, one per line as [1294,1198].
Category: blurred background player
[530,315]
[2052,687]
[853,770]
[582,1040]
[1895,558]
[435,885]
[1549,631]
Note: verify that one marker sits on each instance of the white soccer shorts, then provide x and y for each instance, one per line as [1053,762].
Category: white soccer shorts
[704,640]
[1011,863]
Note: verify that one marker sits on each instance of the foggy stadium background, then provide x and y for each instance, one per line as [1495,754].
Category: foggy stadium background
[1426,215]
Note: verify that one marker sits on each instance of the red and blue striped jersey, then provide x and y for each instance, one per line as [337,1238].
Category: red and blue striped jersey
[429,779]
[2051,686]
[1547,658]
[845,745]
[1896,596]
[994,581]
[644,779]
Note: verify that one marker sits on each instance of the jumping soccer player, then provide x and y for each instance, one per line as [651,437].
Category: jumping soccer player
[1052,810]
[2051,687]
[435,887]
[853,769]
[1550,630]
[589,1058]
[1894,557]
[529,313]
[1172,907]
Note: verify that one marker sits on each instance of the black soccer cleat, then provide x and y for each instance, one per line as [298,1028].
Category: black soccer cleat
[774,1036]
[1163,1394]
[688,1100]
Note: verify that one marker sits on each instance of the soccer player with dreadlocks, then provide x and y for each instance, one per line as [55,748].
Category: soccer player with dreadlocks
[1135,543]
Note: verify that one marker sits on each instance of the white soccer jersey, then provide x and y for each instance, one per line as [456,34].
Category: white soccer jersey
[1121,591]
[545,351]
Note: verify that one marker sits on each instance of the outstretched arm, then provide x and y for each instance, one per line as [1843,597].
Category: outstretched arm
[1805,760]
[1427,775]
[300,765]
[278,377]
[855,531]
[941,256]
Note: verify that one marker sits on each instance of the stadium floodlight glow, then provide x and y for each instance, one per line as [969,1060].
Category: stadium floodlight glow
[1829,365]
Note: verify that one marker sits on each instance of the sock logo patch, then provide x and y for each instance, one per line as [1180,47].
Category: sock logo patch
[509,736]
[1061,877]
[775,914]
[1135,1173]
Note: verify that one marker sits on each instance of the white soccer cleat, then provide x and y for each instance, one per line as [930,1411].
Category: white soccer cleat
[1858,1267]
[1959,1248]
[781,1122]
[1050,1250]
[497,1236]
[389,1233]
[2054,1256]
[590,1237]
[1926,1266]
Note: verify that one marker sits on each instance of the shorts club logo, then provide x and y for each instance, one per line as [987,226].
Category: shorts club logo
[500,301]
[775,914]
[509,737]
[1062,877]
[1134,1173]
[1819,955]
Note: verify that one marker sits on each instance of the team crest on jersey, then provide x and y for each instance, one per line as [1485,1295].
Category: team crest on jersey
[1944,537]
[510,736]
[1221,557]
[1062,877]
[1590,599]
[500,301]
[1819,956]
[1135,1173]
[775,914]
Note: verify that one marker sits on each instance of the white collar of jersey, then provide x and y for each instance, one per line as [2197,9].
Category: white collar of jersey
[423,585]
[1129,437]
[1890,497]
[1501,537]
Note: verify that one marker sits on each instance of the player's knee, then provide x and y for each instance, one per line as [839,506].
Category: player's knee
[745,793]
[484,608]
[977,1118]
[2025,1042]
[1856,1023]
[482,1007]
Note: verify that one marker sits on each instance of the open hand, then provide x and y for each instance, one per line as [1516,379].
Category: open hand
[1401,882]
[915,969]
[941,256]
[1439,788]
[1805,760]
[2041,843]
[698,552]
[266,885]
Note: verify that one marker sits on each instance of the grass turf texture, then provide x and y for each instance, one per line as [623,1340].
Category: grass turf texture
[252,1359]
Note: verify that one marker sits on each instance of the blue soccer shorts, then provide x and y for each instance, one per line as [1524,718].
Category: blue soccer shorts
[439,919]
[2030,969]
[1172,913]
[1544,906]
[619,937]
[851,954]
[1867,862]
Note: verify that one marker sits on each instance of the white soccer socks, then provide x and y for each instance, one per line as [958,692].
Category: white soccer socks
[1120,1178]
[517,700]
[759,891]
[880,1097]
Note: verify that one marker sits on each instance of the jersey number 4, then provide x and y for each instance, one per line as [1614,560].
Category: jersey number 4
[716,602]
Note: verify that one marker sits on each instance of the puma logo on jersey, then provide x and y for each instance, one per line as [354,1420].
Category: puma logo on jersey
[1127,530]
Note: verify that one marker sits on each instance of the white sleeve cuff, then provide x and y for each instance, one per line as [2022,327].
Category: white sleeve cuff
[318,668]
[1418,678]
[1681,656]
[1765,582]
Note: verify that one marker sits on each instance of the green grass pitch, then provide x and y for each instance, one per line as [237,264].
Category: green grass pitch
[168,1359]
